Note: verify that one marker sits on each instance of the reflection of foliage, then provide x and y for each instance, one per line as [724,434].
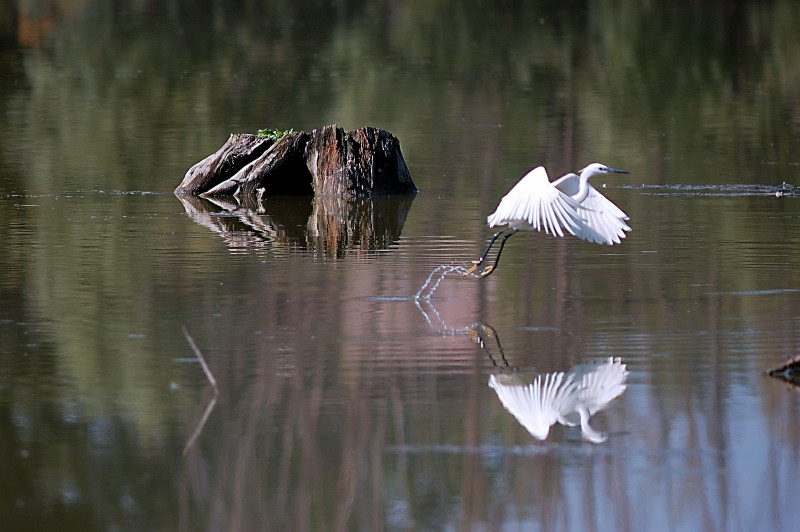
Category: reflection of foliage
[568,85]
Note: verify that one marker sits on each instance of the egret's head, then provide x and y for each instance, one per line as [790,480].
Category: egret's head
[597,168]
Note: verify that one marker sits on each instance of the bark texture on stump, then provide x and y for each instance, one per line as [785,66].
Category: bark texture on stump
[325,162]
[362,162]
[279,171]
[238,151]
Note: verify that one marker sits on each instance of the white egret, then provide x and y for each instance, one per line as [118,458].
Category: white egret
[568,204]
[553,397]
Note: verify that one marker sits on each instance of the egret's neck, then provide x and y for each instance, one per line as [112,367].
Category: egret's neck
[588,432]
[583,189]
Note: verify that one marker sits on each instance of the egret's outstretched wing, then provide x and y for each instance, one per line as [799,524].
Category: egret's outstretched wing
[602,221]
[538,405]
[601,386]
[596,389]
[534,203]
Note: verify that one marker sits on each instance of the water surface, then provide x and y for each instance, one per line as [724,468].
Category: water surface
[344,403]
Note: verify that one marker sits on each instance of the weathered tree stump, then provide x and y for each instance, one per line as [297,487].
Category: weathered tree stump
[237,152]
[325,162]
[280,171]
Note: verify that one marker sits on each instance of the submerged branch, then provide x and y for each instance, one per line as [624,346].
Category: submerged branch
[212,403]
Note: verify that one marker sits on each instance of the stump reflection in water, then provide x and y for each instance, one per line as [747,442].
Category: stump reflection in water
[330,227]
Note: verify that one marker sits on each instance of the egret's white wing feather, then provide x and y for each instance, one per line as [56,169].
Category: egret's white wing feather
[603,385]
[596,389]
[602,221]
[534,203]
[569,184]
[550,398]
[538,405]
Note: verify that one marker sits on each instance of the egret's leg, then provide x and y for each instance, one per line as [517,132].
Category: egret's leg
[476,263]
[490,269]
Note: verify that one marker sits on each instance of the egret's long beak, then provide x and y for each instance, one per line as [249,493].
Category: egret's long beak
[617,171]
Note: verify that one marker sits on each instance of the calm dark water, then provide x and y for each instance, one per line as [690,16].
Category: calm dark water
[343,403]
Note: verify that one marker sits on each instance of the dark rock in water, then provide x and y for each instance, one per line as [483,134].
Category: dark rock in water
[325,162]
[789,371]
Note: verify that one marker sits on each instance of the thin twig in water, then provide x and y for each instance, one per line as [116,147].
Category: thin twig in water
[212,403]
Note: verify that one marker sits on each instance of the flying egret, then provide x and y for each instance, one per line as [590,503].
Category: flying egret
[552,397]
[568,204]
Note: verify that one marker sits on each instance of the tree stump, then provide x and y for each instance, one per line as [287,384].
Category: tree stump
[325,162]
[237,152]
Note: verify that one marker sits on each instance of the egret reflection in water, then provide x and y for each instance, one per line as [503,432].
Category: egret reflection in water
[558,397]
[540,401]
